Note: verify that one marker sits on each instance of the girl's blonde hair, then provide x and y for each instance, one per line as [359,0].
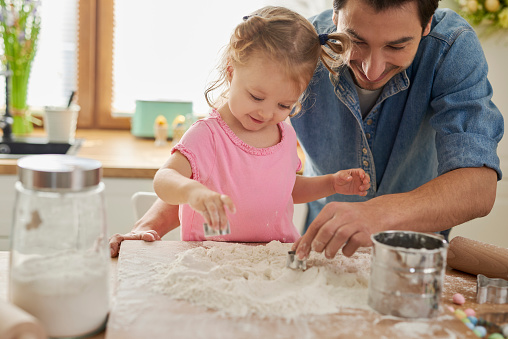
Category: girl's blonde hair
[285,37]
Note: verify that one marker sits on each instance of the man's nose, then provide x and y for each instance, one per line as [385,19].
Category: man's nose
[373,66]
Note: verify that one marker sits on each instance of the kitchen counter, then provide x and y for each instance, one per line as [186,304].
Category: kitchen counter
[122,154]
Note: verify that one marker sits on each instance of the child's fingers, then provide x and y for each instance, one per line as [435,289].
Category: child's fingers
[229,203]
[367,178]
[345,176]
[226,203]
[213,214]
[206,216]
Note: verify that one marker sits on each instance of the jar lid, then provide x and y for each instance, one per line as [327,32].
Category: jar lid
[58,171]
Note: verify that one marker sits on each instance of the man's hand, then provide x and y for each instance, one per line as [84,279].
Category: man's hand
[338,225]
[116,239]
[153,225]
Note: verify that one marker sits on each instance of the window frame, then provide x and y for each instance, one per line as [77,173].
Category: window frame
[95,66]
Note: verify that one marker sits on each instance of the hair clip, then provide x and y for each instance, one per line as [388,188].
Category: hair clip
[323,38]
[246,17]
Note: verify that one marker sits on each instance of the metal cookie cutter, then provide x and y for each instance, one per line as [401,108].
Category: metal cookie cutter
[211,232]
[491,290]
[295,263]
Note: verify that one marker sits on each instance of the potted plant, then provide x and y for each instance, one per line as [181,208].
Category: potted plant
[491,13]
[19,30]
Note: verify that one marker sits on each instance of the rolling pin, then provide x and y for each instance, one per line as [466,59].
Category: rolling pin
[15,323]
[476,257]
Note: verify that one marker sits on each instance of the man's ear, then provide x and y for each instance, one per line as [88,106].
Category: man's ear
[426,31]
[335,19]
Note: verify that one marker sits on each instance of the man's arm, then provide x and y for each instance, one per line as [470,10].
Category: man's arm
[154,224]
[446,201]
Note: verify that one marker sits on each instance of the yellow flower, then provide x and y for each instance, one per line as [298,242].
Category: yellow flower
[472,6]
[492,5]
[503,18]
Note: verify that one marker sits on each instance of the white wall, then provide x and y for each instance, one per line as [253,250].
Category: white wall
[493,228]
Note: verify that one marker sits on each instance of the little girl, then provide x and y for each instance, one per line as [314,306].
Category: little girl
[239,164]
[243,157]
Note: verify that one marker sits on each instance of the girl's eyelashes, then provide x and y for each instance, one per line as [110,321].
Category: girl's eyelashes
[256,98]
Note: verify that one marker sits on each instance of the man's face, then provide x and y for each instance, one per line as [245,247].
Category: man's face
[384,43]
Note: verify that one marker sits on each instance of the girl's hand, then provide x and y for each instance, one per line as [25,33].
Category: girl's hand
[351,181]
[212,206]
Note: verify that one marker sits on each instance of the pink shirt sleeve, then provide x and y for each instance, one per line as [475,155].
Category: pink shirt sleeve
[198,136]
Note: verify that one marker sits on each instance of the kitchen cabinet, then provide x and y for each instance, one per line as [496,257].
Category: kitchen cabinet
[117,193]
[119,209]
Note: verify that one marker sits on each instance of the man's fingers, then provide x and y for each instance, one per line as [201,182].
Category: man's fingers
[357,240]
[148,236]
[307,239]
[295,244]
[114,249]
[114,244]
[142,235]
[338,240]
[116,240]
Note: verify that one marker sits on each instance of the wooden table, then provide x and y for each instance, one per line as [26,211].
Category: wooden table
[455,282]
[138,312]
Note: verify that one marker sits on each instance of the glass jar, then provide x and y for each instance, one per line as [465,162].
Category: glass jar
[59,266]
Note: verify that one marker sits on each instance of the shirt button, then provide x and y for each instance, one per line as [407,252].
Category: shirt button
[367,135]
[369,122]
[364,150]
[365,163]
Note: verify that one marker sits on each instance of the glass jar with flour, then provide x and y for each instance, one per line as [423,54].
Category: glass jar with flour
[59,266]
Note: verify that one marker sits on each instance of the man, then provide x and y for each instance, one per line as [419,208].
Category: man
[413,109]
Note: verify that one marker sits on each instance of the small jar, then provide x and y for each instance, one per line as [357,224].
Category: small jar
[59,266]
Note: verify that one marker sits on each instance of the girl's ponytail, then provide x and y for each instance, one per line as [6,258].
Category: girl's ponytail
[339,44]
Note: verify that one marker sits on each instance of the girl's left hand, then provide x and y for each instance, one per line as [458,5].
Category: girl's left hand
[351,181]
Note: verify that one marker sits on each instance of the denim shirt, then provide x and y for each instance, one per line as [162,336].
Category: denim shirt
[434,117]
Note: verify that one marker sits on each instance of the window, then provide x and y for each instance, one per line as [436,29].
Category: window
[115,52]
[128,50]
[54,73]
[171,49]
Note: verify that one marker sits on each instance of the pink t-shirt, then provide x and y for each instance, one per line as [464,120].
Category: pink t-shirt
[258,180]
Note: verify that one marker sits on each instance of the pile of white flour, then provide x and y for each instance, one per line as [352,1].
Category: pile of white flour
[240,280]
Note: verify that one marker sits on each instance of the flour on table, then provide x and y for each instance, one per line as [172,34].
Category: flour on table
[239,280]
